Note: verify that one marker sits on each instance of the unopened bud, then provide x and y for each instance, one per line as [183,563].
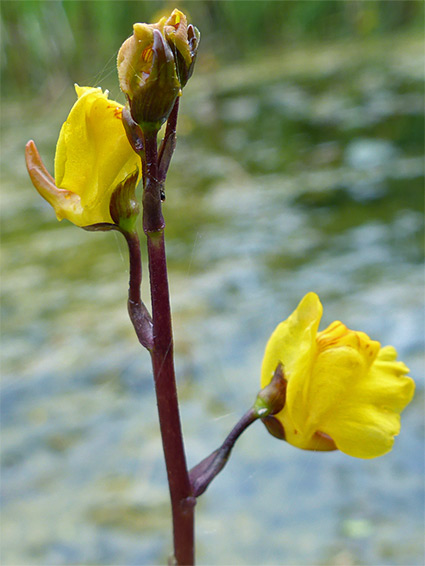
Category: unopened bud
[147,75]
[154,64]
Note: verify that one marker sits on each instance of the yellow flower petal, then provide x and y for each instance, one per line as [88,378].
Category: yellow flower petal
[293,345]
[364,431]
[343,358]
[292,339]
[366,419]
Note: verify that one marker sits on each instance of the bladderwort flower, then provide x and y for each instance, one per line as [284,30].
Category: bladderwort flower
[93,159]
[154,64]
[343,390]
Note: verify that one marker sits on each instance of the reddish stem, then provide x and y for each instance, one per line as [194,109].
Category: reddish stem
[182,500]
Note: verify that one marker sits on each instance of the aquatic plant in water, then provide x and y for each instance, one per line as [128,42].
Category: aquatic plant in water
[335,389]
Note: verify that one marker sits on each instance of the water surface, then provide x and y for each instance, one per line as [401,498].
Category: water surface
[304,172]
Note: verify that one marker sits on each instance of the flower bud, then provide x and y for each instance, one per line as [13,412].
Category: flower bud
[147,75]
[184,42]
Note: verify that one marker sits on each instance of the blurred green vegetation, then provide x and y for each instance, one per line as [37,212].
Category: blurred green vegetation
[47,44]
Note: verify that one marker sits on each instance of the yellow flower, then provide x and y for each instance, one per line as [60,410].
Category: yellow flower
[343,392]
[93,156]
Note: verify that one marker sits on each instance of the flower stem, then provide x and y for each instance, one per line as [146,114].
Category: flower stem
[270,400]
[182,500]
[203,473]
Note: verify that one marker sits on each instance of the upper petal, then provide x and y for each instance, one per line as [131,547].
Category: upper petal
[293,344]
[93,154]
[292,340]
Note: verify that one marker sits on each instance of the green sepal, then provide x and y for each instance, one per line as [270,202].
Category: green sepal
[100,227]
[271,399]
[124,207]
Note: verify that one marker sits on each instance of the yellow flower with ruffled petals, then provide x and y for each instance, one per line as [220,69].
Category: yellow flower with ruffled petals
[343,392]
[93,156]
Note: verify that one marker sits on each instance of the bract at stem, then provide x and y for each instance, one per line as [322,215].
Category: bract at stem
[203,473]
[139,314]
[168,144]
[133,131]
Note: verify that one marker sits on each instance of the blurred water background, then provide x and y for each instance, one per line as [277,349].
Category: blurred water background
[299,167]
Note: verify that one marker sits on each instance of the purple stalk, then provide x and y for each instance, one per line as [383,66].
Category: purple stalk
[182,500]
